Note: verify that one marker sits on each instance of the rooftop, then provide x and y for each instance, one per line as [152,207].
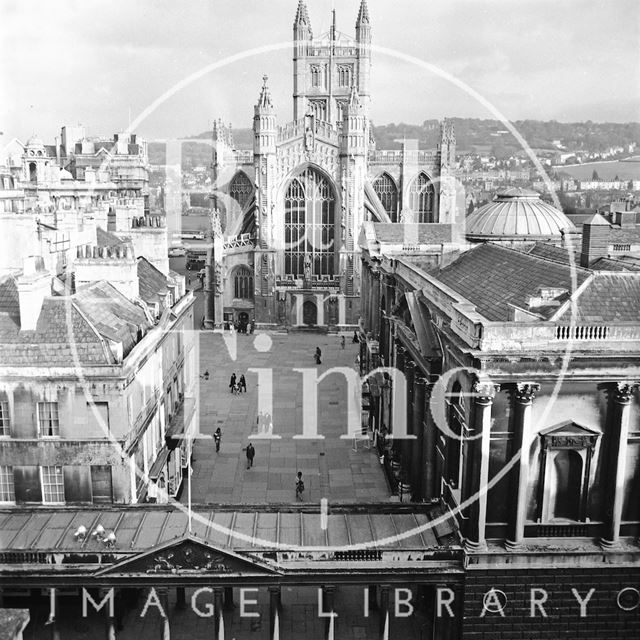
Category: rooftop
[493,278]
[517,214]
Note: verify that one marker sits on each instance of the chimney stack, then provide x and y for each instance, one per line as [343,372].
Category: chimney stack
[595,240]
[33,286]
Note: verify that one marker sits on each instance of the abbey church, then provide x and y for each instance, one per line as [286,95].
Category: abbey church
[292,210]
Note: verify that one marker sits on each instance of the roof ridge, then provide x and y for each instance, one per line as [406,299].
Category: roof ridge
[542,258]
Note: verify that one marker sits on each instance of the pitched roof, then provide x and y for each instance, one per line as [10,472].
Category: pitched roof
[107,239]
[152,283]
[623,263]
[628,235]
[112,314]
[62,337]
[415,233]
[493,277]
[553,252]
[609,297]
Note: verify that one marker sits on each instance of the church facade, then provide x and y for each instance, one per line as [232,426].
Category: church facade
[292,209]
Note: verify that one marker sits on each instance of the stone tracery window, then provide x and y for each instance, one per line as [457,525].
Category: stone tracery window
[386,190]
[421,198]
[243,284]
[345,75]
[316,75]
[241,189]
[309,224]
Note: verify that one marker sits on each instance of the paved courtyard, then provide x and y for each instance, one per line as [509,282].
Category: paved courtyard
[331,467]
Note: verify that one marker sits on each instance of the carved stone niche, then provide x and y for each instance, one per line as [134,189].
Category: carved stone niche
[566,456]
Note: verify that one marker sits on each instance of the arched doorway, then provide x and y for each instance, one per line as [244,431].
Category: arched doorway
[243,321]
[309,313]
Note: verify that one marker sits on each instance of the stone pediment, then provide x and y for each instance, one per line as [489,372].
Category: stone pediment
[569,435]
[188,555]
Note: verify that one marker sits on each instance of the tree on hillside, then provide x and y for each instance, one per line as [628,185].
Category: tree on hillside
[594,175]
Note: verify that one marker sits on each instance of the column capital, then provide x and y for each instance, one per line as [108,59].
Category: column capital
[526,391]
[485,391]
[623,391]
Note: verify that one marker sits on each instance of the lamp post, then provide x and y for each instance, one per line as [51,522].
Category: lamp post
[209,272]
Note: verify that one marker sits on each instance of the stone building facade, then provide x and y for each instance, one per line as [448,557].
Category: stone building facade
[304,191]
[524,420]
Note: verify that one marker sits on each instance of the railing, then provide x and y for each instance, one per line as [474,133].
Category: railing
[617,248]
[568,530]
[243,240]
[582,333]
[243,156]
[297,128]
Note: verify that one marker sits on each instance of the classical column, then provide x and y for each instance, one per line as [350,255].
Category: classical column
[430,457]
[408,445]
[218,595]
[375,303]
[328,606]
[524,394]
[384,609]
[275,604]
[618,432]
[395,396]
[478,447]
[51,622]
[228,598]
[417,464]
[165,629]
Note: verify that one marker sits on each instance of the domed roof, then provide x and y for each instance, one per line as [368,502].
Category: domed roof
[34,141]
[517,214]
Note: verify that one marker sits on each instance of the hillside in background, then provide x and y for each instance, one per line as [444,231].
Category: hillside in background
[487,137]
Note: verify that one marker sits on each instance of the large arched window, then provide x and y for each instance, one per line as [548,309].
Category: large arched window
[386,190]
[421,198]
[243,284]
[241,189]
[309,225]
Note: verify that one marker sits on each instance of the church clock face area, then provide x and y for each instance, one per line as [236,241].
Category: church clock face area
[304,373]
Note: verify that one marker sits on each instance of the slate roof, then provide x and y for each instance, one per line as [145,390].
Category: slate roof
[59,326]
[553,252]
[415,233]
[107,239]
[629,235]
[492,277]
[111,313]
[69,329]
[609,297]
[623,263]
[152,282]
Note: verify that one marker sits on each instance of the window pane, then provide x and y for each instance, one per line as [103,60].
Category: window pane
[5,423]
[7,492]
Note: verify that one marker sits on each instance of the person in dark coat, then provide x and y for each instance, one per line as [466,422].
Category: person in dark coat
[251,453]
[217,436]
[242,384]
[355,336]
[232,382]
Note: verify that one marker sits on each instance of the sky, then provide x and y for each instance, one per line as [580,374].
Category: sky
[102,62]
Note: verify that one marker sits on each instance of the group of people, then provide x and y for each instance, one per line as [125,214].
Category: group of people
[237,385]
[240,327]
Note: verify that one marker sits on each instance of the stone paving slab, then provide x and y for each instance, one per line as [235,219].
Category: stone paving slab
[331,467]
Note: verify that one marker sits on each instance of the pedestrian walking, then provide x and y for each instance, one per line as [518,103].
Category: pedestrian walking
[355,337]
[217,436]
[342,342]
[232,382]
[251,454]
[299,487]
[318,355]
[242,384]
